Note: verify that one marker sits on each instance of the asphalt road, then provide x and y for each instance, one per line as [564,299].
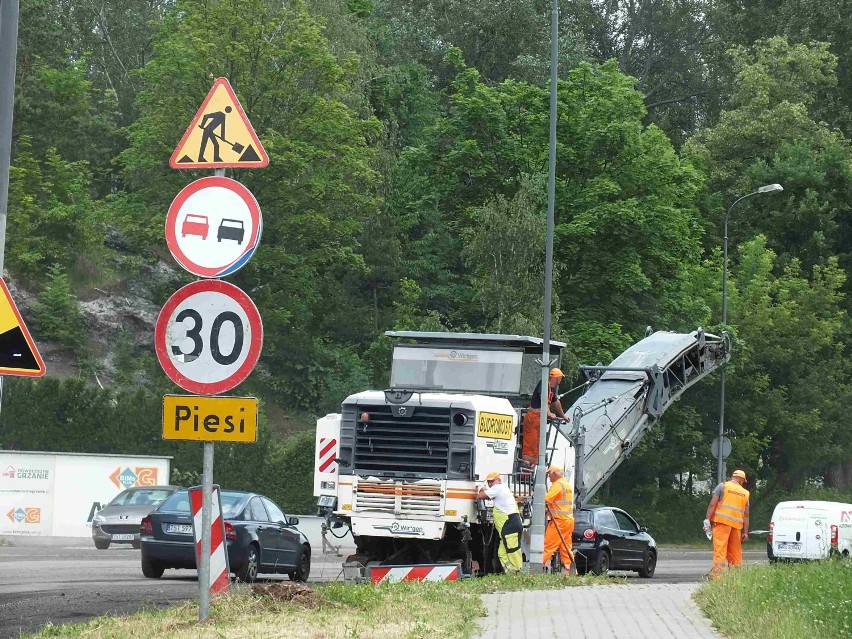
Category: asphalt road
[71,581]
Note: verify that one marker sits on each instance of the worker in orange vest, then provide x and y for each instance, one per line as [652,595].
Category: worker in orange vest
[728,511]
[532,418]
[560,512]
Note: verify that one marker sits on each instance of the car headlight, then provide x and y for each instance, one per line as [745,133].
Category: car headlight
[98,519]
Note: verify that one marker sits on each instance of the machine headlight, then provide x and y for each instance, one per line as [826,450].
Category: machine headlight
[327,485]
[326,501]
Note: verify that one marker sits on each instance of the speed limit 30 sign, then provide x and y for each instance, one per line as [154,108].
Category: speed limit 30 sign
[208,337]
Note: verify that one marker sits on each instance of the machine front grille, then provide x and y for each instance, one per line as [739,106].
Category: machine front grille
[389,444]
[398,497]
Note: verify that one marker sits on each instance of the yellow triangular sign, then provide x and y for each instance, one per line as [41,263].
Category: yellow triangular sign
[18,352]
[219,135]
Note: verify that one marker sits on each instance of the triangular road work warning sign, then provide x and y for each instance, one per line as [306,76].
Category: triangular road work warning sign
[219,135]
[18,352]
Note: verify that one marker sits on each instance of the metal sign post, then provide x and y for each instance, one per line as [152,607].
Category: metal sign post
[206,513]
[209,334]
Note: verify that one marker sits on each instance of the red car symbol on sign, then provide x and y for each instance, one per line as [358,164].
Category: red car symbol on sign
[195,225]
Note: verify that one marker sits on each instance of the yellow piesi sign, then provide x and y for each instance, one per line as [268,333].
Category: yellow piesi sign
[494,425]
[210,419]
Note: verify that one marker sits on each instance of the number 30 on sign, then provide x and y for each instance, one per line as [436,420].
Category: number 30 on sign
[208,337]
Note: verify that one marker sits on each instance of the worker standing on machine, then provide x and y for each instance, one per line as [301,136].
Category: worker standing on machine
[532,418]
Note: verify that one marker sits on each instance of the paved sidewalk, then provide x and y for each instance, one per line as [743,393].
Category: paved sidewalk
[642,611]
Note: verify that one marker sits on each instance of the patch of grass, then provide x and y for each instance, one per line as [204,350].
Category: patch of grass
[783,601]
[390,611]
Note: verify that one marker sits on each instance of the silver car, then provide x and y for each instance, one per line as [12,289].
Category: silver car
[119,520]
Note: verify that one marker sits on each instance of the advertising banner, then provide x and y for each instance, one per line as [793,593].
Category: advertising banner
[59,493]
[26,494]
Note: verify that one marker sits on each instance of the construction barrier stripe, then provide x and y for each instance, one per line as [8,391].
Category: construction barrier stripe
[380,574]
[328,446]
[327,454]
[220,577]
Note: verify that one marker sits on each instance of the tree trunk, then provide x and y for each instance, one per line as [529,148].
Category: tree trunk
[839,476]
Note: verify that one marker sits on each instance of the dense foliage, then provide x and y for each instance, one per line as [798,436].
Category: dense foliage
[408,147]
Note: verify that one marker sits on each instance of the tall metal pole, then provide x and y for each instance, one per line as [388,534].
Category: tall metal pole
[8,53]
[206,518]
[720,460]
[769,188]
[206,521]
[538,522]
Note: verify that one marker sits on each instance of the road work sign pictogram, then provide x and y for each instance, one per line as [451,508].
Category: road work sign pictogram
[220,135]
[18,352]
[208,337]
[213,227]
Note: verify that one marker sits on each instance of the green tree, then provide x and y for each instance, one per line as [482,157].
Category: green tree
[626,222]
[308,276]
[504,254]
[53,220]
[57,315]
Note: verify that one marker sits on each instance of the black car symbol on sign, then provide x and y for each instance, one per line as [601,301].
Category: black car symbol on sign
[230,229]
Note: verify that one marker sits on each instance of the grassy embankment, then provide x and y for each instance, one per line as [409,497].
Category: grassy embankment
[393,611]
[782,601]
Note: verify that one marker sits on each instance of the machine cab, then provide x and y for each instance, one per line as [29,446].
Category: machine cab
[470,363]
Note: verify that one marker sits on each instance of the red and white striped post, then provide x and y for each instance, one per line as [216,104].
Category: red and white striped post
[219,574]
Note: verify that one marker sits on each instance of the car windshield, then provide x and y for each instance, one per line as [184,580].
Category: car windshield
[469,369]
[140,497]
[232,503]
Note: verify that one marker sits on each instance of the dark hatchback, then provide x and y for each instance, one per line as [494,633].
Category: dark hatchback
[608,538]
[259,538]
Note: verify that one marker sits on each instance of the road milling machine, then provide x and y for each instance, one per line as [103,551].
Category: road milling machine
[400,468]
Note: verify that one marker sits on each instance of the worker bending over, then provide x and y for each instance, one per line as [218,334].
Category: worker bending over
[559,508]
[507,522]
[532,418]
[728,510]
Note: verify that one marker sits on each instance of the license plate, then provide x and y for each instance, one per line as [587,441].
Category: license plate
[127,537]
[790,545]
[179,529]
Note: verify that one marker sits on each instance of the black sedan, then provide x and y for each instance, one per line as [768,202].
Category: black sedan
[608,538]
[259,538]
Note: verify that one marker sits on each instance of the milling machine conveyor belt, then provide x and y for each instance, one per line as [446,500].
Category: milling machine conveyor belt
[624,399]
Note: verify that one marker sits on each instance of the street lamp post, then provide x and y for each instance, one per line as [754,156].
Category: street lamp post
[769,188]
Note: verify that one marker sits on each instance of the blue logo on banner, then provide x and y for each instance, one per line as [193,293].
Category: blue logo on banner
[127,478]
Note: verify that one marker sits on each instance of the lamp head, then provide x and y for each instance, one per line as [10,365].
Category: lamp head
[770,188]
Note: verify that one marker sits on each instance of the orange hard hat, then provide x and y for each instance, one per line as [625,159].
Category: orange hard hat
[491,476]
[740,474]
[555,372]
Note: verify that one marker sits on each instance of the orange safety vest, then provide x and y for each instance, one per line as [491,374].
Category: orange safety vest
[731,509]
[560,499]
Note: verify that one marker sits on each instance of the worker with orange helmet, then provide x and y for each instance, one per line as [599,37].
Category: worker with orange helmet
[507,522]
[532,418]
[559,507]
[729,512]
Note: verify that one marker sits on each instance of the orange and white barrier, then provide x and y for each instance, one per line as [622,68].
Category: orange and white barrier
[426,572]
[220,574]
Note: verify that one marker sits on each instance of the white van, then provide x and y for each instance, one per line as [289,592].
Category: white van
[810,530]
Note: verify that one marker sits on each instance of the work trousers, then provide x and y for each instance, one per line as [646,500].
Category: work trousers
[532,422]
[552,541]
[509,528]
[727,547]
